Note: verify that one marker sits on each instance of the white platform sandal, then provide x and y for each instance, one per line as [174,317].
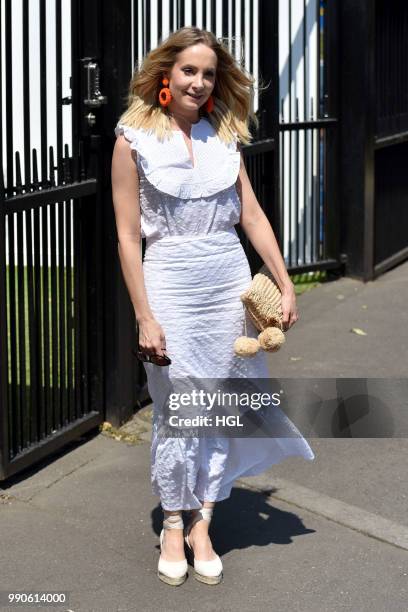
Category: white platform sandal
[209,572]
[172,572]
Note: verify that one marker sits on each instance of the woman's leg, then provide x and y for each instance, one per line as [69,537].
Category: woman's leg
[199,537]
[173,542]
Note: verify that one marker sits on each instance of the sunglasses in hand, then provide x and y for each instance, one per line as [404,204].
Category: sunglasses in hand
[160,360]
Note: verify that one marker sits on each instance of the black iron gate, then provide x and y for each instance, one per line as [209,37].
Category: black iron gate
[309,140]
[51,351]
[374,135]
[391,135]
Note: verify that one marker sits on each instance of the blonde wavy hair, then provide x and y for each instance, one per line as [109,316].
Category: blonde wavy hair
[233,91]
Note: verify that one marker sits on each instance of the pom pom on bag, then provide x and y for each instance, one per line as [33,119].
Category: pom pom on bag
[263,301]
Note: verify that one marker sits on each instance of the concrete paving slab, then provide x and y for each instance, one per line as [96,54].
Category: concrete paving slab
[321,343]
[94,533]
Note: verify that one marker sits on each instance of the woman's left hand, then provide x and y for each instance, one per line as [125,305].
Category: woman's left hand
[289,309]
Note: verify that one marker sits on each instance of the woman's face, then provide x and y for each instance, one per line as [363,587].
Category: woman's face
[192,79]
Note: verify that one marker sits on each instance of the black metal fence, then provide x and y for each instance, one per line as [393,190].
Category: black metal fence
[374,135]
[50,273]
[330,176]
[260,163]
[308,139]
[391,67]
[66,352]
[391,134]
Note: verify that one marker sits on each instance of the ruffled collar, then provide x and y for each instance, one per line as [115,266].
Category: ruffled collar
[168,167]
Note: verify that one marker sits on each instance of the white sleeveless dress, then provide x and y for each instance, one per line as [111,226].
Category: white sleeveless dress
[195,269]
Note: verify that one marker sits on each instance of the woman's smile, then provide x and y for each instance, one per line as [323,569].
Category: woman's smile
[194,96]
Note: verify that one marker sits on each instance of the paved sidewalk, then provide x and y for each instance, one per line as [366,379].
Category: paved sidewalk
[328,535]
[321,344]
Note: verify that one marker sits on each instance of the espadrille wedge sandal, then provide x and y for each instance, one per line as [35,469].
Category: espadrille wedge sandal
[172,572]
[209,572]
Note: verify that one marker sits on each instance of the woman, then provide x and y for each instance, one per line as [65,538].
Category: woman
[179,180]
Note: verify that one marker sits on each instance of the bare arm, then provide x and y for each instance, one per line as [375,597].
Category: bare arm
[256,226]
[125,195]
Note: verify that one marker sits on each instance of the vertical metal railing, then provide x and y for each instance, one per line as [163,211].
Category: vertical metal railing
[49,224]
[235,23]
[305,155]
[390,123]
[391,67]
[259,162]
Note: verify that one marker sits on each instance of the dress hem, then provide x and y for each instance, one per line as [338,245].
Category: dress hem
[225,491]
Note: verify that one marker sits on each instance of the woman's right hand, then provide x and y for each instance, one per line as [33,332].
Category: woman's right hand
[152,340]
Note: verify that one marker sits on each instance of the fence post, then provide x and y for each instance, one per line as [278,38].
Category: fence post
[331,110]
[4,447]
[357,122]
[269,102]
[122,371]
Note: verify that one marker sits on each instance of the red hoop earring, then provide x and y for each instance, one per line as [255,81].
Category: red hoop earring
[209,105]
[165,96]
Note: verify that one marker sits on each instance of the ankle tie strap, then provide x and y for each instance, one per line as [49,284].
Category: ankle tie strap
[206,513]
[201,514]
[173,521]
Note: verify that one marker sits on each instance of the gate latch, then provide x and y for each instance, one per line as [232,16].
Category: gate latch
[94,97]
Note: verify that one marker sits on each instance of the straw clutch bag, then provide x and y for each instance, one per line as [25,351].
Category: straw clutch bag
[263,301]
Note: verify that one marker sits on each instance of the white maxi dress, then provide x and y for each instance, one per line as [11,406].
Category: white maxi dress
[195,269]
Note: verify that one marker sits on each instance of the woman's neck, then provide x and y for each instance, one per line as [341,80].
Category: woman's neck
[181,122]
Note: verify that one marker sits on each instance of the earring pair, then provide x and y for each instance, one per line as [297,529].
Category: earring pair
[165,97]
